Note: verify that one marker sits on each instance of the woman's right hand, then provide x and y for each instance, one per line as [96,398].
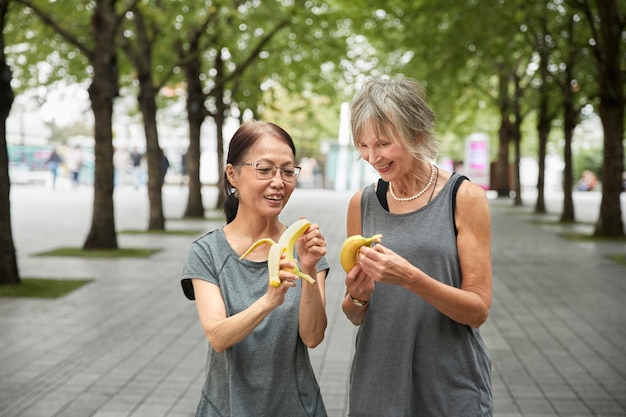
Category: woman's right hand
[358,284]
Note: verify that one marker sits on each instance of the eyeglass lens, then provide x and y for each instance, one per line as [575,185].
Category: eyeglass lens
[266,172]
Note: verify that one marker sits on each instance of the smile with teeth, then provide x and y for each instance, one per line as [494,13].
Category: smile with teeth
[383,167]
[274,197]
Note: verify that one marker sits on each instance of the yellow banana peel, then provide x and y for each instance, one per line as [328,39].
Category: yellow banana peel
[351,246]
[286,244]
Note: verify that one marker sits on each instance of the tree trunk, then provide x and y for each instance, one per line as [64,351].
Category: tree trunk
[570,118]
[196,114]
[219,117]
[612,115]
[517,138]
[502,185]
[543,129]
[9,273]
[102,91]
[154,153]
[141,57]
[518,161]
[545,118]
[569,123]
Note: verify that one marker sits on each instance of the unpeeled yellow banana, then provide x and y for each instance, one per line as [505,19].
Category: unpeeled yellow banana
[351,246]
[285,244]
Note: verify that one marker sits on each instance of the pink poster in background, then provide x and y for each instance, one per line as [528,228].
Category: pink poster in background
[476,164]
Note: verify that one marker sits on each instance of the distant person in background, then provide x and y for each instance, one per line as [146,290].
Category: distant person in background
[136,159]
[73,163]
[53,165]
[183,169]
[165,165]
[588,181]
[318,176]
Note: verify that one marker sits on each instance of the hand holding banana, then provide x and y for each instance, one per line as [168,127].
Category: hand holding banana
[285,245]
[350,249]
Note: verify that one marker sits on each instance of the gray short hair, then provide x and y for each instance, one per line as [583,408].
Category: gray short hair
[397,110]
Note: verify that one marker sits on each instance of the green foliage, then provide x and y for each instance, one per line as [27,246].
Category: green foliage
[41,56]
[309,120]
[297,61]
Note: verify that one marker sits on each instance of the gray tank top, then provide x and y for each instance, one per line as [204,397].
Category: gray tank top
[410,359]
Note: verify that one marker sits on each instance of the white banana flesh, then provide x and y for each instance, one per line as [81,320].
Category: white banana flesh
[286,244]
[351,246]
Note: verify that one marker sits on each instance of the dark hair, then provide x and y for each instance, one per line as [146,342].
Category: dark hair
[243,139]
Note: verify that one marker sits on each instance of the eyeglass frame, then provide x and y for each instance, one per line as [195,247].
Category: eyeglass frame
[296,170]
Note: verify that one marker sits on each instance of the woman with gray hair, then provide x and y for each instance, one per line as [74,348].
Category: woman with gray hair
[419,296]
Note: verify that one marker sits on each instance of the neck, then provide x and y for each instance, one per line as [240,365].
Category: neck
[417,194]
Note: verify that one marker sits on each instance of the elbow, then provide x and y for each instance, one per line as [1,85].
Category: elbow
[218,348]
[479,318]
[313,343]
[314,339]
[215,342]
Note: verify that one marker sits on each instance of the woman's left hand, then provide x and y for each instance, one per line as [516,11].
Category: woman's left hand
[311,247]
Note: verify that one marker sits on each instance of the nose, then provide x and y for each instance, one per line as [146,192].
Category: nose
[278,176]
[370,155]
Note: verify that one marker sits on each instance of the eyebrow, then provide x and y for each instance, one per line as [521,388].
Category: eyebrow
[271,162]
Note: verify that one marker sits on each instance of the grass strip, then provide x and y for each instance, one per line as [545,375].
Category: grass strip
[187,232]
[100,253]
[42,288]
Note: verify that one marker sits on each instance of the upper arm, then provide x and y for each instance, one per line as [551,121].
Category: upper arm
[209,302]
[473,222]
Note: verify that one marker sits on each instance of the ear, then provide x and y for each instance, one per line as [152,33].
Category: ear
[231,174]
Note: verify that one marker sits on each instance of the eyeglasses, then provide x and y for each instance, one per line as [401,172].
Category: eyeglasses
[268,171]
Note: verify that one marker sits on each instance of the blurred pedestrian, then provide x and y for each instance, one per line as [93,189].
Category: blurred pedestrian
[136,159]
[53,162]
[73,163]
[165,165]
[588,181]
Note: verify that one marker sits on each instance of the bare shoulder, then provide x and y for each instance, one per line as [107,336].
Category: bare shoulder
[472,192]
[355,201]
[353,221]
[472,204]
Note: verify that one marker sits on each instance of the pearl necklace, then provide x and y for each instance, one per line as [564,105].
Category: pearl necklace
[430,181]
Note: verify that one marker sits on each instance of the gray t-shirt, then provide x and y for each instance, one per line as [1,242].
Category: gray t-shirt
[410,359]
[269,372]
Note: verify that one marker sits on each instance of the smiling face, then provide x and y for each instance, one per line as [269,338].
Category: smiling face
[390,158]
[263,197]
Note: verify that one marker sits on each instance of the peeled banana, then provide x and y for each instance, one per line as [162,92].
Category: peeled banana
[351,247]
[285,244]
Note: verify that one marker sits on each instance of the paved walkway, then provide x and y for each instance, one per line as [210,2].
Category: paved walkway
[129,343]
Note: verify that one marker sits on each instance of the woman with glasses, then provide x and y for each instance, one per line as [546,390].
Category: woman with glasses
[259,335]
